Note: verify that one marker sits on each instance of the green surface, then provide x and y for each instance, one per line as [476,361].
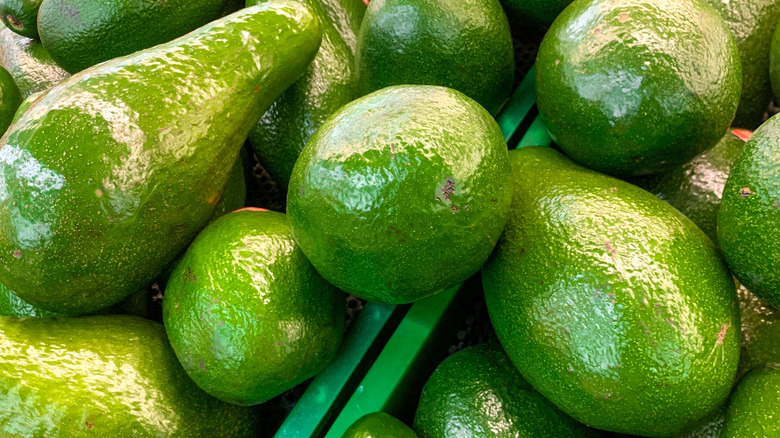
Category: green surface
[379,425]
[749,216]
[137,304]
[755,405]
[329,83]
[614,344]
[121,176]
[134,385]
[760,331]
[29,63]
[235,191]
[247,314]
[21,16]
[426,168]
[540,11]
[10,99]
[460,44]
[478,392]
[82,33]
[630,87]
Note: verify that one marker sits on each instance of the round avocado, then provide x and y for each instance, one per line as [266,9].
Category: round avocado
[402,193]
[749,215]
[540,11]
[630,87]
[247,314]
[760,331]
[460,44]
[477,392]
[612,304]
[379,425]
[21,16]
[10,99]
[29,63]
[755,405]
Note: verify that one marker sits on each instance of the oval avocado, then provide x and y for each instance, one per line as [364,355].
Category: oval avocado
[29,63]
[21,16]
[612,304]
[540,11]
[630,87]
[111,376]
[247,314]
[755,405]
[460,44]
[401,194]
[379,425]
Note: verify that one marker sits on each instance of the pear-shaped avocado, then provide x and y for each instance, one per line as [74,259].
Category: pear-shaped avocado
[754,406]
[29,63]
[612,304]
[21,16]
[379,425]
[107,177]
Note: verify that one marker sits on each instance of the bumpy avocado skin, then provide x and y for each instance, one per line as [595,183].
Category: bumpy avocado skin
[21,16]
[329,83]
[760,331]
[612,304]
[103,376]
[478,392]
[749,215]
[123,177]
[541,11]
[247,314]
[29,63]
[402,193]
[379,425]
[755,405]
[460,44]
[622,96]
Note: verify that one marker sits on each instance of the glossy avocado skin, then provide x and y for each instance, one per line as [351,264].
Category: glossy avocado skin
[137,304]
[633,325]
[12,305]
[477,392]
[460,44]
[10,99]
[402,193]
[749,215]
[29,63]
[752,22]
[125,177]
[620,96]
[755,405]
[21,16]
[82,33]
[135,385]
[379,425]
[247,314]
[329,83]
[235,191]
[760,331]
[541,11]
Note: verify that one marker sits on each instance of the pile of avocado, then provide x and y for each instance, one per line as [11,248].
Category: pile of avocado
[631,271]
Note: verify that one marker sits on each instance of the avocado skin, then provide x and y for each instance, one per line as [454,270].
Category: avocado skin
[247,314]
[25,12]
[460,44]
[379,425]
[755,405]
[235,190]
[29,63]
[82,33]
[760,331]
[329,83]
[752,22]
[540,11]
[135,385]
[620,96]
[477,392]
[633,325]
[10,99]
[402,193]
[749,215]
[92,225]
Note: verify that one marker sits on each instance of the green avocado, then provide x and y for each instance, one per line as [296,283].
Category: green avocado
[631,87]
[29,63]
[540,11]
[107,178]
[460,44]
[108,376]
[752,22]
[328,84]
[10,99]
[379,425]
[21,16]
[749,215]
[612,304]
[235,190]
[82,33]
[247,314]
[402,193]
[760,331]
[755,405]
[477,392]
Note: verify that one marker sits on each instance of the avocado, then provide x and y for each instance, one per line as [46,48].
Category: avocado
[12,305]
[630,88]
[29,63]
[379,425]
[752,22]
[612,304]
[460,44]
[540,11]
[247,314]
[749,215]
[328,84]
[107,178]
[82,33]
[755,405]
[110,376]
[21,16]
[760,331]
[10,99]
[401,194]
[235,190]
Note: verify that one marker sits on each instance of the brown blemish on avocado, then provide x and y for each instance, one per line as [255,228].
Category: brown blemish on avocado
[609,247]
[454,208]
[88,424]
[596,31]
[623,17]
[17,253]
[448,189]
[722,333]
[745,192]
